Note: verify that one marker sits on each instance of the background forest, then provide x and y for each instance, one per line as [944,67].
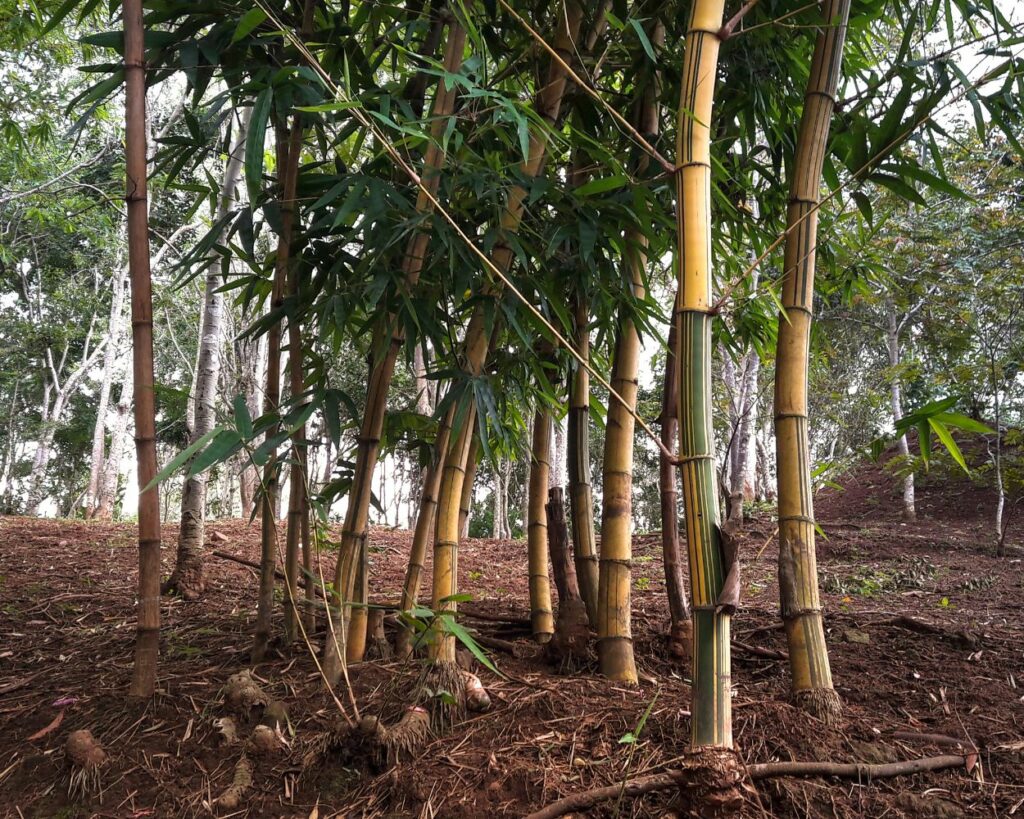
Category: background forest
[511,271]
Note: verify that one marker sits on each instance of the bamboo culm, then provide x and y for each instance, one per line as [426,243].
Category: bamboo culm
[798,579]
[147,640]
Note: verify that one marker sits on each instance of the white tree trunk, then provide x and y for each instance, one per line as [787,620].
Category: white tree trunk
[188,576]
[893,344]
[119,439]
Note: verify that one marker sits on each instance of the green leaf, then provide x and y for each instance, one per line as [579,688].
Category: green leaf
[181,458]
[644,41]
[602,185]
[459,632]
[249,21]
[946,437]
[226,443]
[254,143]
[243,420]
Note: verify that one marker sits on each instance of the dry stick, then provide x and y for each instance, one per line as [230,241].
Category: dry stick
[763,770]
[147,644]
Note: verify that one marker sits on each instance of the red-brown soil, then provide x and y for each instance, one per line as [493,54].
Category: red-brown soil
[66,637]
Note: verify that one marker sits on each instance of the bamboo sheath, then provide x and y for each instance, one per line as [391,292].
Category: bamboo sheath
[541,618]
[352,551]
[712,718]
[476,344]
[798,576]
[147,635]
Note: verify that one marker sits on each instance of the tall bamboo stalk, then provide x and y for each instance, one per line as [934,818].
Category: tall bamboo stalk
[541,619]
[476,344]
[614,631]
[354,529]
[298,506]
[712,707]
[288,168]
[147,640]
[798,577]
[681,628]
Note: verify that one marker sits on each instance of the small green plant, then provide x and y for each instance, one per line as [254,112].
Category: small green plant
[475,575]
[643,583]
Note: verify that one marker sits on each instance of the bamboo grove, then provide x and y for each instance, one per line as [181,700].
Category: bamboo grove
[531,200]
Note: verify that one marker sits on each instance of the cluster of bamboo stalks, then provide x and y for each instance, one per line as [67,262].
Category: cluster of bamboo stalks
[597,575]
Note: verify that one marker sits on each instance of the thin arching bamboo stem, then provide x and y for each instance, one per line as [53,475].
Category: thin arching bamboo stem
[798,579]
[147,640]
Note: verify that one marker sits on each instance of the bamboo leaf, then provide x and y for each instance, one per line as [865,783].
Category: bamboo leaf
[946,437]
[181,458]
[249,21]
[254,142]
[455,628]
[243,420]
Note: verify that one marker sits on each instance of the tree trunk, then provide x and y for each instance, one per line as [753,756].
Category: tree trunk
[798,578]
[147,644]
[91,502]
[352,549]
[118,444]
[892,339]
[188,578]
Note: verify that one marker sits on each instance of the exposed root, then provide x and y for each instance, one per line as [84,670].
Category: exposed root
[443,693]
[389,742]
[713,781]
[275,715]
[240,783]
[820,703]
[264,741]
[569,648]
[242,693]
[87,758]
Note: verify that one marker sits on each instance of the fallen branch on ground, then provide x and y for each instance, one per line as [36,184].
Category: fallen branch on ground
[763,770]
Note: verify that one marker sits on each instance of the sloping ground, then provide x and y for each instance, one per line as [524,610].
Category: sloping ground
[66,636]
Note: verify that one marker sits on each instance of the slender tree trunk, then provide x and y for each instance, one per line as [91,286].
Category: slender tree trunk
[892,339]
[541,618]
[354,530]
[147,643]
[998,462]
[798,578]
[99,435]
[680,638]
[188,578]
[118,444]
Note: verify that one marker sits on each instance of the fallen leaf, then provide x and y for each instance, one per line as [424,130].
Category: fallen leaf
[42,732]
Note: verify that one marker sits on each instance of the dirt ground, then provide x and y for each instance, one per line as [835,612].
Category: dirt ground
[67,631]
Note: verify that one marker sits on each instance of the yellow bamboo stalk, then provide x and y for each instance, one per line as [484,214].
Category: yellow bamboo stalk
[712,708]
[352,550]
[798,576]
[466,503]
[541,619]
